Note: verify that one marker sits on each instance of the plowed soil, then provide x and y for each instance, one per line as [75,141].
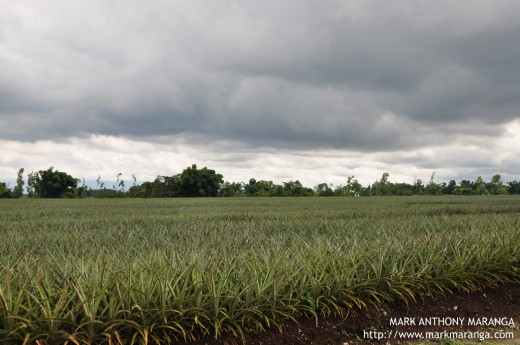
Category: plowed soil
[502,302]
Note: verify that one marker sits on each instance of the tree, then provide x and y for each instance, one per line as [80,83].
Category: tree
[465,188]
[418,187]
[146,190]
[203,182]
[5,192]
[496,185]
[432,188]
[514,187]
[251,188]
[323,189]
[401,189]
[231,189]
[33,183]
[354,188]
[18,189]
[83,191]
[295,188]
[267,188]
[381,187]
[450,188]
[480,186]
[163,187]
[98,182]
[52,184]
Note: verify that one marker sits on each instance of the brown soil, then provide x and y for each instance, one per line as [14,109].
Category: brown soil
[500,302]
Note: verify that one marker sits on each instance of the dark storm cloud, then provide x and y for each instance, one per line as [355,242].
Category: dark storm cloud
[365,75]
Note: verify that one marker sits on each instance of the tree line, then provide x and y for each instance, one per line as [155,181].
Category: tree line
[195,182]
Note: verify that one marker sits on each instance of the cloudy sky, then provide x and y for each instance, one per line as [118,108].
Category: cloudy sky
[277,90]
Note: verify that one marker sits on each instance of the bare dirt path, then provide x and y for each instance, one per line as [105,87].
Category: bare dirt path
[454,319]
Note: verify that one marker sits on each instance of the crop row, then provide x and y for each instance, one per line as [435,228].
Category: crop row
[161,271]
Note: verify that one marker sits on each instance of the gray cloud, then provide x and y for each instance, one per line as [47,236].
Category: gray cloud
[360,75]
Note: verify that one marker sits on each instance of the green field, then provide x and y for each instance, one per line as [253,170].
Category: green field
[161,270]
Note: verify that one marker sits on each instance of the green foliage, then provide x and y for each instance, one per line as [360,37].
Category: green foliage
[83,191]
[4,191]
[323,190]
[354,188]
[229,189]
[480,186]
[18,189]
[496,186]
[162,270]
[263,188]
[195,182]
[432,188]
[167,186]
[450,188]
[51,184]
[295,188]
[382,187]
[192,182]
[514,187]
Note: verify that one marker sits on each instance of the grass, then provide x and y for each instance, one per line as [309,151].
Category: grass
[162,270]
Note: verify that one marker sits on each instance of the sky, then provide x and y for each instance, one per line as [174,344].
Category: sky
[314,91]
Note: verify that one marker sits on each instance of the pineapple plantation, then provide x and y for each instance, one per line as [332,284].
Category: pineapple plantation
[158,271]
